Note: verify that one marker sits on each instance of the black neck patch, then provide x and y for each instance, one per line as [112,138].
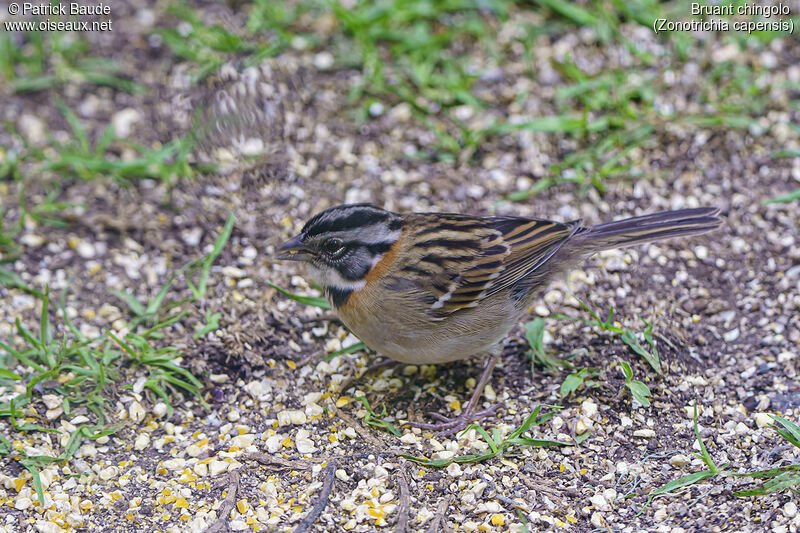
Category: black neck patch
[337,296]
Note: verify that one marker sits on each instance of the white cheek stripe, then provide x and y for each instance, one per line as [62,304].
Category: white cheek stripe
[329,277]
[354,286]
[369,235]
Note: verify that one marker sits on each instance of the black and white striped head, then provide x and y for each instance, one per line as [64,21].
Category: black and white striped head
[342,244]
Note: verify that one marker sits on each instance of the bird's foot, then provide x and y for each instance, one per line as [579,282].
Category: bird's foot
[450,426]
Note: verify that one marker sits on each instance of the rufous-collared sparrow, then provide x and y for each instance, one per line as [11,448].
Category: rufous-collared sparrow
[427,288]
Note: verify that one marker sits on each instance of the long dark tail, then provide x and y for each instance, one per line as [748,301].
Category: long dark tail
[648,228]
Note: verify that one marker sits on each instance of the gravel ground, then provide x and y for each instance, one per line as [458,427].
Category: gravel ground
[281,442]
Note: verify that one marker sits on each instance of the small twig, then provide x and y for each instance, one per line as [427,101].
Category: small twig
[366,435]
[228,503]
[313,514]
[280,462]
[403,508]
[440,514]
[666,341]
[508,501]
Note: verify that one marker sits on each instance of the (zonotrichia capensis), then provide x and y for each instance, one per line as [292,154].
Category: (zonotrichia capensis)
[427,288]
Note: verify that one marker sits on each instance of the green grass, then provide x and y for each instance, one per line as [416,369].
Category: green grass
[586,378]
[35,61]
[44,212]
[773,480]
[795,194]
[413,52]
[627,336]
[581,378]
[534,333]
[711,470]
[80,158]
[84,372]
[638,390]
[377,421]
[780,478]
[500,446]
[209,47]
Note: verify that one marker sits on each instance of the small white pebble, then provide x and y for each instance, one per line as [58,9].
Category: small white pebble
[85,250]
[288,417]
[43,526]
[109,473]
[701,252]
[600,503]
[790,509]
[323,60]
[52,401]
[731,335]
[141,442]
[274,443]
[489,393]
[376,109]
[216,467]
[32,240]
[409,438]
[454,470]
[644,433]
[22,502]
[238,525]
[763,420]
[679,460]
[589,408]
[136,412]
[303,442]
[159,410]
[174,464]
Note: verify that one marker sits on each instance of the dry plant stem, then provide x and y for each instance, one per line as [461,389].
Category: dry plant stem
[322,502]
[280,462]
[450,426]
[438,522]
[403,508]
[508,501]
[227,505]
[366,435]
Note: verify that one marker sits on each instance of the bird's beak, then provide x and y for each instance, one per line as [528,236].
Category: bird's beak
[294,250]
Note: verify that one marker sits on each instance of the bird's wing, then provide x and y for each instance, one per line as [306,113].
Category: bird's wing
[467,259]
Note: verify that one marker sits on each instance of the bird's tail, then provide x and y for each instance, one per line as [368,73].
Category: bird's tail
[648,228]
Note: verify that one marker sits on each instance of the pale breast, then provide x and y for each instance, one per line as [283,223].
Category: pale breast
[398,326]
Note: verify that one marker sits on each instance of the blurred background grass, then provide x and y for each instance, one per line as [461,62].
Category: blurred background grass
[438,59]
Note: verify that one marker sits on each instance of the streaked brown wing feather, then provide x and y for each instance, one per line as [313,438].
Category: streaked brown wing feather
[470,258]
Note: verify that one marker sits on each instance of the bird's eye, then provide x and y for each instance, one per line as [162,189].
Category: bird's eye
[332,246]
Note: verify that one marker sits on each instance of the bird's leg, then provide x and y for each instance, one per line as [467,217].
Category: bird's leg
[450,426]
